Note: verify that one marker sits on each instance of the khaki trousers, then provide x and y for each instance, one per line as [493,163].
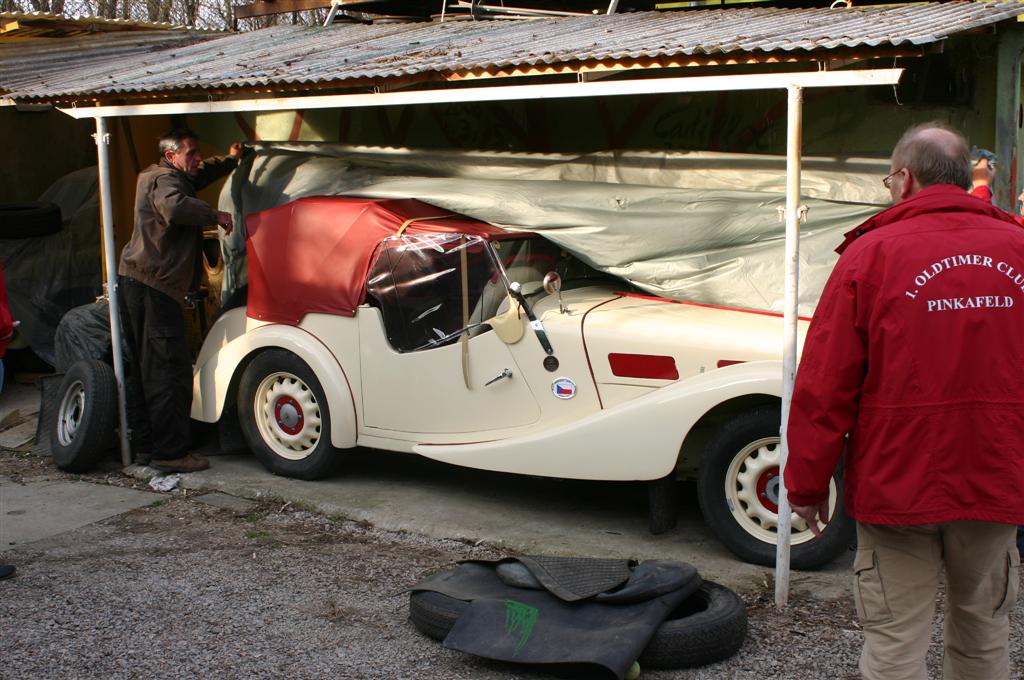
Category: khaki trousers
[896,577]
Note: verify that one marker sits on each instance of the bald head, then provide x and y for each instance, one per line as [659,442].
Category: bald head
[931,153]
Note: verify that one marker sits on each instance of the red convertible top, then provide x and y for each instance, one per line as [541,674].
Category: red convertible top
[313,254]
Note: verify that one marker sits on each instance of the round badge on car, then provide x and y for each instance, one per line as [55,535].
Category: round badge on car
[551,363]
[563,388]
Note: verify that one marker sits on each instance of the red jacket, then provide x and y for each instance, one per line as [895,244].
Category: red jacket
[985,194]
[916,351]
[6,322]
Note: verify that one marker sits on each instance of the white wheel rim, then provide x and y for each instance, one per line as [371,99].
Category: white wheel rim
[287,415]
[69,417]
[751,490]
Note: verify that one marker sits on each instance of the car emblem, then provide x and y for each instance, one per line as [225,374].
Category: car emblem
[563,388]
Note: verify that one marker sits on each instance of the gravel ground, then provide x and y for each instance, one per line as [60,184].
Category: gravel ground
[184,589]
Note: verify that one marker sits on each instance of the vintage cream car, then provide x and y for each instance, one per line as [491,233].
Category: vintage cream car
[394,325]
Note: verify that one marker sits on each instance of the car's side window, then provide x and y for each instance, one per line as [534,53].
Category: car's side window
[427,287]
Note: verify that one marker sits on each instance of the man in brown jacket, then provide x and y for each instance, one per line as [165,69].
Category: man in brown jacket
[158,267]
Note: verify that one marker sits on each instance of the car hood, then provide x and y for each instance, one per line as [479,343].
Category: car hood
[632,339]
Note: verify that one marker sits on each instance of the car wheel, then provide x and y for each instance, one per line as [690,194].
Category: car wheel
[284,416]
[86,415]
[738,489]
[708,626]
[27,220]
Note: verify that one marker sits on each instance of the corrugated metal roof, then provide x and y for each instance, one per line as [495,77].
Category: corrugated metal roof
[296,55]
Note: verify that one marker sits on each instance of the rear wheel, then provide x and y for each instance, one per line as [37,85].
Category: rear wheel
[738,489]
[285,418]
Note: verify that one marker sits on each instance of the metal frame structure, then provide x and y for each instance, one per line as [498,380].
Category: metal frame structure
[793,83]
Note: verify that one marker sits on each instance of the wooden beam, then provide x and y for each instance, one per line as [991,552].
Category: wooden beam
[264,7]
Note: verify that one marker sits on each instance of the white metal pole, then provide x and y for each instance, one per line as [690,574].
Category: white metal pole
[113,295]
[794,132]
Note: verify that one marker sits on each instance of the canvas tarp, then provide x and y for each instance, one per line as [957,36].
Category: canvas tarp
[695,226]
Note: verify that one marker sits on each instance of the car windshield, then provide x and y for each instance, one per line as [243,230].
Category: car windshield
[429,287]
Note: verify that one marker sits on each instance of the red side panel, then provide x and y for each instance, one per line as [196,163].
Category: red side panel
[313,254]
[653,366]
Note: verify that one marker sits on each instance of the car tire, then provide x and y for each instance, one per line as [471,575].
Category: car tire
[708,626]
[663,503]
[28,220]
[85,417]
[284,416]
[737,489]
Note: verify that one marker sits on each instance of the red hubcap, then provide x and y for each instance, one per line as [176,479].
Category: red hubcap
[768,489]
[288,415]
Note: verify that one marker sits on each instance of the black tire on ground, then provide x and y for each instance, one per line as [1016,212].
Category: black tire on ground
[284,417]
[27,220]
[709,626]
[434,614]
[737,489]
[86,415]
[663,503]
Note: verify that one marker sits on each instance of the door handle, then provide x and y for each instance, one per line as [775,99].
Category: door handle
[505,373]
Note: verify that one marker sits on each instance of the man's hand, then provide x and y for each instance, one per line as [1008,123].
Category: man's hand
[225,222]
[811,514]
[983,173]
[236,150]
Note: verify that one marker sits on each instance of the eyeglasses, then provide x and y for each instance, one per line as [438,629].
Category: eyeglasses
[888,179]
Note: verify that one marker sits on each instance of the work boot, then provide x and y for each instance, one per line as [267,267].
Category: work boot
[187,463]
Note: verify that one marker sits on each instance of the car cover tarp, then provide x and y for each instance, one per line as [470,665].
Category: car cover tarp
[48,275]
[695,226]
[588,611]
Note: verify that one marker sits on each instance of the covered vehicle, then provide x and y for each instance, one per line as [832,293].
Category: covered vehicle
[396,325]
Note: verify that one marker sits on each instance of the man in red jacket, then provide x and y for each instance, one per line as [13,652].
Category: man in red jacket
[914,365]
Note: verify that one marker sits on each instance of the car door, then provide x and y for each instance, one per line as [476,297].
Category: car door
[429,363]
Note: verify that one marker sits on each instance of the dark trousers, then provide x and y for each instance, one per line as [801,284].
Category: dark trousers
[159,383]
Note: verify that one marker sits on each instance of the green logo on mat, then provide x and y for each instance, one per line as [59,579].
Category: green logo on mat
[519,618]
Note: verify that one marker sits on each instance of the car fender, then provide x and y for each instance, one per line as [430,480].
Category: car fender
[216,368]
[635,440]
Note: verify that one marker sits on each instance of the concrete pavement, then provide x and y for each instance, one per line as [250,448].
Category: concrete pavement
[407,493]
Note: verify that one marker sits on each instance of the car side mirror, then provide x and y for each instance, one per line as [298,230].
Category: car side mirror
[553,285]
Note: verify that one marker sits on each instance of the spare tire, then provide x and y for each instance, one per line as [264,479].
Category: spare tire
[86,415]
[28,220]
[708,626]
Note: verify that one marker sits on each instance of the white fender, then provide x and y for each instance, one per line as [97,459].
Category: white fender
[636,440]
[234,337]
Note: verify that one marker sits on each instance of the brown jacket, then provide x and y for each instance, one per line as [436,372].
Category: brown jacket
[164,247]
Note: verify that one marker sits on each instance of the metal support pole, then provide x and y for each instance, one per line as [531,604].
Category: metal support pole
[113,295]
[794,132]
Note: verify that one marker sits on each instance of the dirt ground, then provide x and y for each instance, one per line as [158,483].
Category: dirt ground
[181,588]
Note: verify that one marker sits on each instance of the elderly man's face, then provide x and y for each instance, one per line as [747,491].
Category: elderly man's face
[187,158]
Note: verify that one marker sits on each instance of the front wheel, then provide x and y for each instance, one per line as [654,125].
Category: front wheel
[284,417]
[738,489]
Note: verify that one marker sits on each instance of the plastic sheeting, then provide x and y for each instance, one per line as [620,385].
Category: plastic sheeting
[687,225]
[48,275]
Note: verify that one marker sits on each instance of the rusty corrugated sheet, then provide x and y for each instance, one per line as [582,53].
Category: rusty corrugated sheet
[295,55]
